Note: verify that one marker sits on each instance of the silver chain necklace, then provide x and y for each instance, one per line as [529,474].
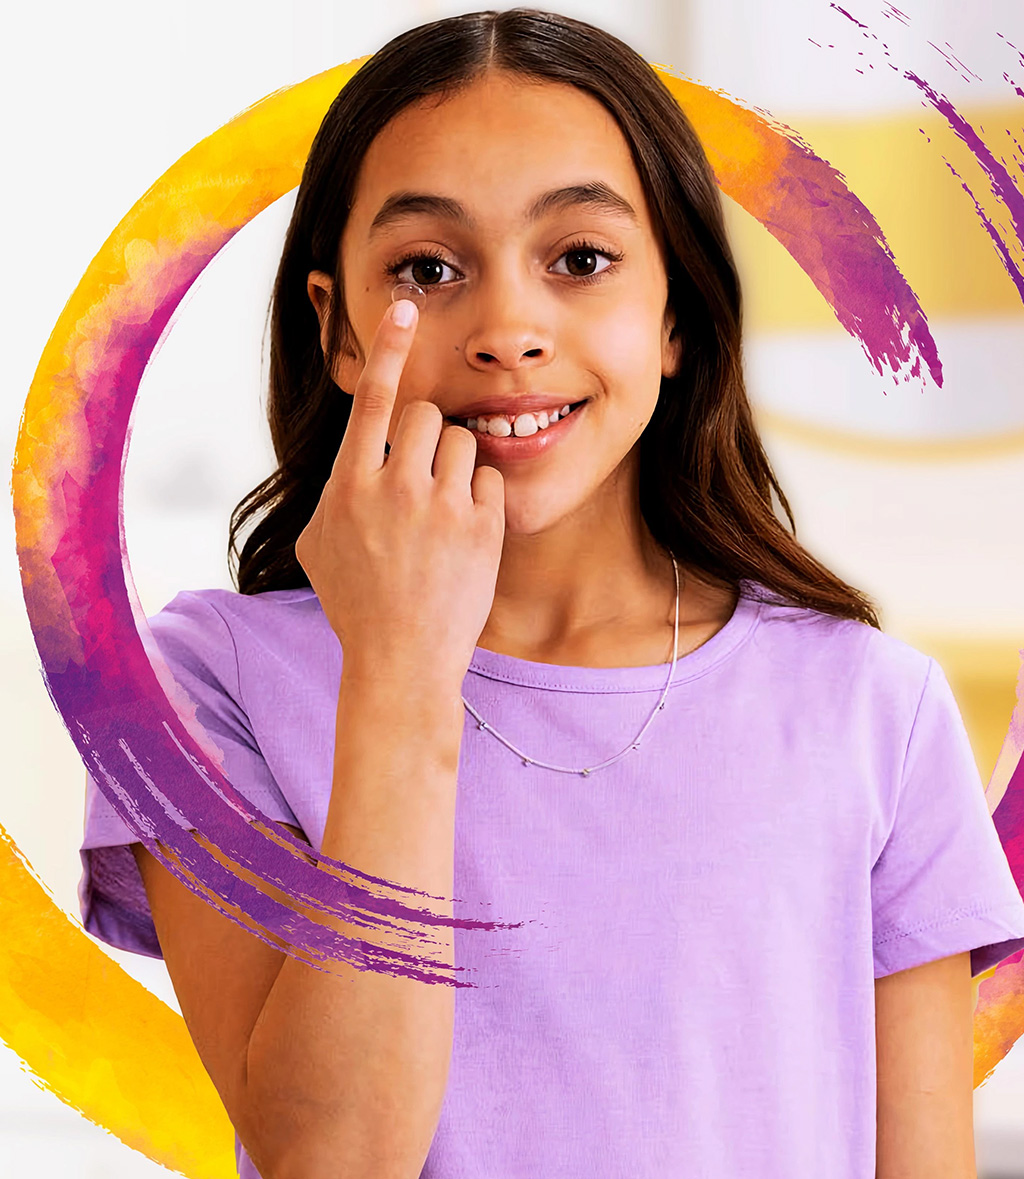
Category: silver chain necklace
[482,724]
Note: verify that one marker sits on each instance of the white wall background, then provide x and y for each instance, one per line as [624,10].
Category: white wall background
[99,100]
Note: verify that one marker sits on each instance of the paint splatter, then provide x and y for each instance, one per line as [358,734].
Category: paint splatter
[1003,185]
[847,15]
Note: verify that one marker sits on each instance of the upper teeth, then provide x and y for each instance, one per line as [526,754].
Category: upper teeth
[502,425]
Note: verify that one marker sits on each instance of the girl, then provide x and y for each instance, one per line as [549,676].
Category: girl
[509,532]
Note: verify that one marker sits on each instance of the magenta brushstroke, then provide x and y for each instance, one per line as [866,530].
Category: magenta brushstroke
[1008,816]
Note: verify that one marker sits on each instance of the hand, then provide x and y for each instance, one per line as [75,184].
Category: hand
[403,550]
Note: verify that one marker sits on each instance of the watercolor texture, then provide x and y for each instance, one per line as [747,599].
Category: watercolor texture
[136,730]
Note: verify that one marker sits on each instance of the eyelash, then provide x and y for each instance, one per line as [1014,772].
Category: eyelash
[576,247]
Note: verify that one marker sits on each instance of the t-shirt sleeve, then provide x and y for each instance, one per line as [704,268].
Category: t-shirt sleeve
[942,884]
[198,646]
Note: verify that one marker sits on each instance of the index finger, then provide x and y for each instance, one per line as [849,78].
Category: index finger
[373,399]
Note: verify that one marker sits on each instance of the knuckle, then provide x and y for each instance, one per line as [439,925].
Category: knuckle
[374,394]
[342,483]
[406,487]
[376,399]
[453,499]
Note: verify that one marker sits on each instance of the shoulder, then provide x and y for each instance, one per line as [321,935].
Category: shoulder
[217,640]
[849,659]
[241,609]
[206,617]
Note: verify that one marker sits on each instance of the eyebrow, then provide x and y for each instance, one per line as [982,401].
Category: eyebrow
[594,195]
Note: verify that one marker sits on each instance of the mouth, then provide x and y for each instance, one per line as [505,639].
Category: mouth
[505,424]
[506,446]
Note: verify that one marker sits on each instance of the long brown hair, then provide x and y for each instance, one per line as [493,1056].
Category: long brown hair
[705,483]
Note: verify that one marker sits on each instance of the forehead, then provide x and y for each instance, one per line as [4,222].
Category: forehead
[495,144]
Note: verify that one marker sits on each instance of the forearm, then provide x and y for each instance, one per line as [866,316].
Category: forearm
[347,1070]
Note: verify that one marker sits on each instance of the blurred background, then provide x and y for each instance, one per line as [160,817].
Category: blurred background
[906,492]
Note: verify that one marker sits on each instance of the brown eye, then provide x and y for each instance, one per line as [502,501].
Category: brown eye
[580,263]
[426,271]
[586,262]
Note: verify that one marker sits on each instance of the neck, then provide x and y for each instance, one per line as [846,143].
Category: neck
[595,577]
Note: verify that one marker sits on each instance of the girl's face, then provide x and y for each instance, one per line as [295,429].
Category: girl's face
[561,299]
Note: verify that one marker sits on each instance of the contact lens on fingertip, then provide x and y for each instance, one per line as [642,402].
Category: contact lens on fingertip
[409,290]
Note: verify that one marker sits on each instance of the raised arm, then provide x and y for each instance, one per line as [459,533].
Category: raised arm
[342,1074]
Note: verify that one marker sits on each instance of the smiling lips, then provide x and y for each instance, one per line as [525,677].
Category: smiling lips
[501,425]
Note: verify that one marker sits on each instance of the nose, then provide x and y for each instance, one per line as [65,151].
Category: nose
[508,335]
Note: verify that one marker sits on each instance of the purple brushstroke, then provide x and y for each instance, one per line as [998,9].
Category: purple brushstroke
[1002,183]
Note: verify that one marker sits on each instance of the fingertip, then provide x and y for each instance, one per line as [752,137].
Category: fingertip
[404,312]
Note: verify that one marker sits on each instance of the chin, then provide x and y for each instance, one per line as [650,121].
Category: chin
[529,514]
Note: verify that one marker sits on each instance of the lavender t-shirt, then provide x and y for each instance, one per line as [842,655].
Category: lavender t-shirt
[804,816]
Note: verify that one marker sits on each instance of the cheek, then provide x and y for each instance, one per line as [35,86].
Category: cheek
[625,344]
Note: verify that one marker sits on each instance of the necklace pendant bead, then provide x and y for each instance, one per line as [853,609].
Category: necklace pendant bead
[584,772]
[526,761]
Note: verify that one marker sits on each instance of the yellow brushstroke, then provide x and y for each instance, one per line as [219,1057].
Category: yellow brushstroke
[98,1039]
[998,1018]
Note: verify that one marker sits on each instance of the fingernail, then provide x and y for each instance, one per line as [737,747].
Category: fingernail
[403,313]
